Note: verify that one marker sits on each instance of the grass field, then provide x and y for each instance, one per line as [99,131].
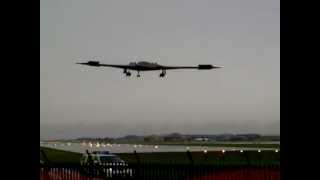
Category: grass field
[59,156]
[271,158]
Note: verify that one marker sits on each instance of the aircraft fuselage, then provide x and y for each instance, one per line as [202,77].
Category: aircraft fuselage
[144,66]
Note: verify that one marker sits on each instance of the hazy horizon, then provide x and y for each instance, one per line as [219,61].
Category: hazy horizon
[80,137]
[243,36]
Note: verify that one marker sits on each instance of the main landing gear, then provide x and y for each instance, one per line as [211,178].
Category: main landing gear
[127,73]
[163,73]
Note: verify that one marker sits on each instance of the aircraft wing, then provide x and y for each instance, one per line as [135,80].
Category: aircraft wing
[97,64]
[200,67]
[115,66]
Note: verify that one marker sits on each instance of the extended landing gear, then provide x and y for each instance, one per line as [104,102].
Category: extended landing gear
[163,73]
[127,73]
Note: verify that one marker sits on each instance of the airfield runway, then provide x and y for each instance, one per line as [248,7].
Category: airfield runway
[128,148]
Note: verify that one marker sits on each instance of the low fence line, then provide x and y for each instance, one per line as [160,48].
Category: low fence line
[155,171]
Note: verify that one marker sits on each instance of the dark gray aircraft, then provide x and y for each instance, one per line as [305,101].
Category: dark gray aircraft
[147,66]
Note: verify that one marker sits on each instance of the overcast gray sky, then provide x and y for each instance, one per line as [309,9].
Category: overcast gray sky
[243,36]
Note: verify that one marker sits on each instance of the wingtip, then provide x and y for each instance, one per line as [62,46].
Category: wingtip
[81,63]
[207,66]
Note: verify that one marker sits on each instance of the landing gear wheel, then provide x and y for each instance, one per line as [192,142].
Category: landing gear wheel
[126,72]
[163,73]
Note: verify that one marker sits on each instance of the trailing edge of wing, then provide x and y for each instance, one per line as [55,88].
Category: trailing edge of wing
[97,64]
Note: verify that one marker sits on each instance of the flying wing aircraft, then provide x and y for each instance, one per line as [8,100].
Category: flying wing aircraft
[147,66]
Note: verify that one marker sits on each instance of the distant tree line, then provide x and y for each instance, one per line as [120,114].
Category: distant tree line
[177,137]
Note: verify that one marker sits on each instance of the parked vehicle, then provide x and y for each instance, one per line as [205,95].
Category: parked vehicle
[103,163]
